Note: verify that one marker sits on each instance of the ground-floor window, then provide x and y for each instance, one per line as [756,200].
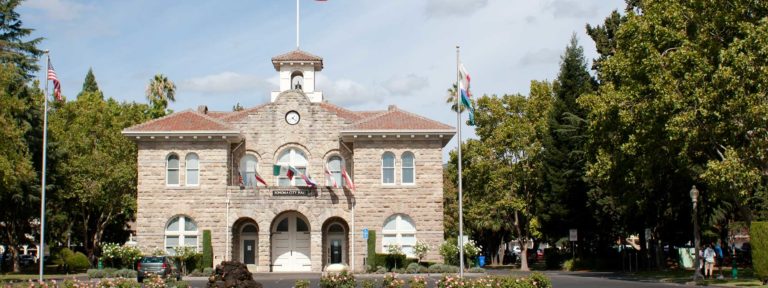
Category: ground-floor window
[180,231]
[399,230]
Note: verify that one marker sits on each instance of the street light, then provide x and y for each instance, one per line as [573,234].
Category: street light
[695,199]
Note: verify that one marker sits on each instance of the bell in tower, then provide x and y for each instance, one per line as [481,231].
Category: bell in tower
[297,72]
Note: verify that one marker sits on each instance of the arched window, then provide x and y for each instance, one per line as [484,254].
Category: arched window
[408,173]
[181,231]
[334,166]
[193,171]
[172,170]
[399,230]
[297,80]
[248,165]
[388,168]
[293,157]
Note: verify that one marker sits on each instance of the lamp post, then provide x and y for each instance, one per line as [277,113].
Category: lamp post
[695,199]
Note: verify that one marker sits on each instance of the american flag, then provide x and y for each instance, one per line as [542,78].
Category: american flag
[56,83]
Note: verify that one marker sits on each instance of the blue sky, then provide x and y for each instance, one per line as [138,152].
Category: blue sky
[376,53]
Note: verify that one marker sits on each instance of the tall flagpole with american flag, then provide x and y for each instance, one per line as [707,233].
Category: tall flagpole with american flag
[50,75]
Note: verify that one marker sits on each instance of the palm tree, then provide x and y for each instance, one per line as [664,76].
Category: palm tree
[159,91]
[451,99]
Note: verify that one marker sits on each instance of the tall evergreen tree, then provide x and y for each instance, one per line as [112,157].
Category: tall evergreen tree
[90,85]
[564,148]
[14,48]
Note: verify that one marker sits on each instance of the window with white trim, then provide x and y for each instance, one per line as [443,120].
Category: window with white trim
[193,169]
[334,166]
[172,170]
[180,231]
[248,165]
[388,168]
[399,230]
[408,171]
[293,157]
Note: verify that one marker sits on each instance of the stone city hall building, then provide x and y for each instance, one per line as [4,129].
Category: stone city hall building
[200,170]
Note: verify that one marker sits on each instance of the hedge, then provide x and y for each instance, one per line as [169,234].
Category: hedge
[207,250]
[371,258]
[758,235]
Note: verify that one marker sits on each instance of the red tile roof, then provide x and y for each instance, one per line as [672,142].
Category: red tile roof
[238,116]
[188,120]
[349,115]
[297,56]
[397,120]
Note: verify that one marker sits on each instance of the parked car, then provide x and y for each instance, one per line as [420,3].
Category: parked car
[26,260]
[162,266]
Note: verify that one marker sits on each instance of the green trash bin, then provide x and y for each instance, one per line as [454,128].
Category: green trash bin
[101,264]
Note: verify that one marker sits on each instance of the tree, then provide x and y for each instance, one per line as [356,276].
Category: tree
[90,85]
[159,92]
[681,98]
[504,168]
[565,190]
[96,197]
[237,107]
[450,98]
[14,49]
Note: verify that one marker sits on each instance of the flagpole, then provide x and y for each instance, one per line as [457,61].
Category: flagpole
[297,24]
[458,129]
[41,249]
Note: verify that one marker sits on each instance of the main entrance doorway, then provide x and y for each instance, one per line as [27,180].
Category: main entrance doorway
[248,249]
[290,243]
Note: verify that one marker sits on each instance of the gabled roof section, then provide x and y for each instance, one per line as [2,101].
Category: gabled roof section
[394,120]
[297,56]
[238,116]
[184,121]
[351,116]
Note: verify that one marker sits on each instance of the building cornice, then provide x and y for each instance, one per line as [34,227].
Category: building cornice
[231,136]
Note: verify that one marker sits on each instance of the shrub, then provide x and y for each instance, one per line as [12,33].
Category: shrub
[413,268]
[77,262]
[540,280]
[371,258]
[569,265]
[552,258]
[381,270]
[421,249]
[118,256]
[208,271]
[443,268]
[391,281]
[393,261]
[367,283]
[340,280]
[758,234]
[301,284]
[476,270]
[207,250]
[117,283]
[96,273]
[417,282]
[125,273]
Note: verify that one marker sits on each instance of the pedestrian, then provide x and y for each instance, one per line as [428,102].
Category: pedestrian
[709,261]
[719,254]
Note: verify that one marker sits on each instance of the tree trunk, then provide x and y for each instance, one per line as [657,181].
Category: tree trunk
[499,259]
[16,266]
[523,247]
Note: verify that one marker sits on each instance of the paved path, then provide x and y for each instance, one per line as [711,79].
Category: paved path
[559,280]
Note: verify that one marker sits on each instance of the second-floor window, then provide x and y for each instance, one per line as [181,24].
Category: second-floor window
[388,168]
[408,175]
[248,166]
[193,169]
[295,158]
[334,166]
[172,170]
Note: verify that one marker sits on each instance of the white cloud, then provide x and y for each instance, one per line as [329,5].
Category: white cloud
[539,57]
[61,10]
[405,84]
[228,82]
[570,9]
[344,92]
[440,8]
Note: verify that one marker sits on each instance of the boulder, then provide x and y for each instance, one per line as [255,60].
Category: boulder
[232,274]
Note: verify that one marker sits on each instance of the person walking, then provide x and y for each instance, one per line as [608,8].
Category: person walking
[719,254]
[709,261]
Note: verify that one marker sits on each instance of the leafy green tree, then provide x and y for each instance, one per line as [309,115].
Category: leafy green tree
[450,98]
[160,91]
[90,85]
[99,169]
[504,167]
[237,107]
[681,102]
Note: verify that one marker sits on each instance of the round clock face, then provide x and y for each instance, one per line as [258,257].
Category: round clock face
[292,117]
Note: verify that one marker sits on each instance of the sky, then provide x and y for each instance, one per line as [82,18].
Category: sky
[375,53]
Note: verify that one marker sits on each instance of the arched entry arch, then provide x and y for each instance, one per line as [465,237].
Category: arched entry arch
[290,233]
[245,241]
[335,241]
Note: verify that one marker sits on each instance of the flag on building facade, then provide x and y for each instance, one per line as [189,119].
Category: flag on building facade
[308,180]
[466,94]
[278,170]
[347,179]
[56,83]
[240,179]
[261,180]
[329,180]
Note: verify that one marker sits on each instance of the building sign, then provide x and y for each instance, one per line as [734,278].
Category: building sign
[573,235]
[306,192]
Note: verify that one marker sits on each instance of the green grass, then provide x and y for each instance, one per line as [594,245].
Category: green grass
[25,277]
[746,277]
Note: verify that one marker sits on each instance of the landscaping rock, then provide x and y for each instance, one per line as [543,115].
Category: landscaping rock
[232,274]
